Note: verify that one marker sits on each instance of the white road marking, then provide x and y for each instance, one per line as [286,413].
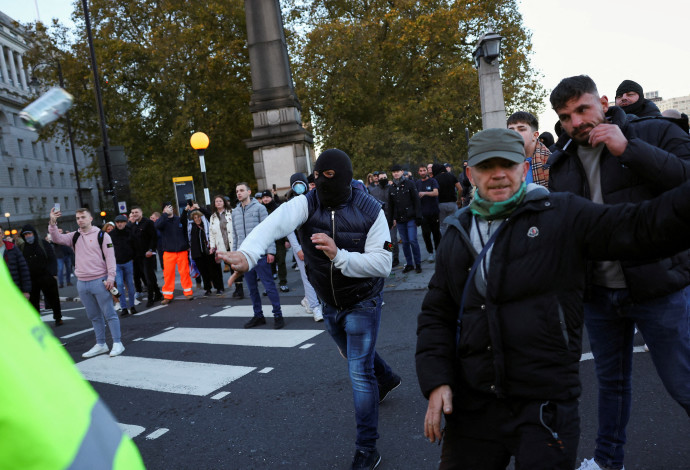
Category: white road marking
[204,315]
[64,309]
[49,318]
[306,346]
[589,356]
[169,328]
[149,310]
[220,395]
[157,433]
[237,337]
[76,334]
[161,375]
[248,311]
[265,370]
[132,430]
[137,339]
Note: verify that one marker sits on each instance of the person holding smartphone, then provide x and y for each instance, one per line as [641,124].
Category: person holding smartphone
[174,244]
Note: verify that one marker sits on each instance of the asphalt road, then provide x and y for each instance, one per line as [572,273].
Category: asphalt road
[191,403]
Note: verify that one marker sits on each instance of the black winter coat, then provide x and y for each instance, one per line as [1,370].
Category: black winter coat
[656,159]
[145,236]
[18,268]
[39,255]
[124,244]
[403,201]
[523,338]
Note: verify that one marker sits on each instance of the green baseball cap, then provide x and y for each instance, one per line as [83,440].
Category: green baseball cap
[496,143]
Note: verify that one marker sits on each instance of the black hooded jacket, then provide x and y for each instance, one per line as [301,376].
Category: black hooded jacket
[39,255]
[124,243]
[446,183]
[657,159]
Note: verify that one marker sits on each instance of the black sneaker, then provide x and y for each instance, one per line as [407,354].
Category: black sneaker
[149,303]
[387,387]
[418,268]
[238,294]
[132,310]
[366,460]
[208,293]
[59,322]
[408,268]
[284,288]
[396,262]
[255,321]
[124,313]
[278,323]
[220,293]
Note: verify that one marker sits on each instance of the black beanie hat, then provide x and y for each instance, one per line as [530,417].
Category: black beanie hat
[166,203]
[629,85]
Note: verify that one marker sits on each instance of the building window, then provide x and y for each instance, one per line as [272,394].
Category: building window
[45,154]
[57,154]
[62,179]
[32,204]
[44,204]
[16,205]
[26,177]
[20,145]
[39,173]
[2,145]
[1,211]
[34,148]
[51,176]
[66,202]
[10,172]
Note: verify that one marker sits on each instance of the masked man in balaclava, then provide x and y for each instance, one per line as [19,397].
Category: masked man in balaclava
[347,251]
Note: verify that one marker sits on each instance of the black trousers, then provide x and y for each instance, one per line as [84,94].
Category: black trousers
[145,268]
[281,253]
[431,227]
[542,435]
[211,273]
[48,285]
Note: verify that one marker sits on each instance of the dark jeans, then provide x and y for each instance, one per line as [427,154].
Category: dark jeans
[210,271]
[354,330]
[281,253]
[65,270]
[147,267]
[48,285]
[487,438]
[431,226]
[262,271]
[610,317]
[139,273]
[408,235]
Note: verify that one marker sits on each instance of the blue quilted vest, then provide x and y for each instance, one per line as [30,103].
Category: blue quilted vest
[348,225]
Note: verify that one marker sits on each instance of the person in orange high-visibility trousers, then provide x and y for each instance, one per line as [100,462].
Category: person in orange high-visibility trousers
[50,418]
[174,244]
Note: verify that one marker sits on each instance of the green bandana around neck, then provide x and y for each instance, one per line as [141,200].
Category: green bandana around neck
[497,210]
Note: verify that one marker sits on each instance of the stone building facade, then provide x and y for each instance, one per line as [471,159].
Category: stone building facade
[34,174]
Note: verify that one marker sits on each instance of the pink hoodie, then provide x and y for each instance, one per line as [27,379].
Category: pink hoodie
[89,264]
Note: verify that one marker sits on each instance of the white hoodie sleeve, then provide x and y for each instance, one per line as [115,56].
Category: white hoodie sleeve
[376,261]
[284,220]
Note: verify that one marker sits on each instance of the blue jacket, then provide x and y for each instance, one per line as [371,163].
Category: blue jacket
[173,234]
[348,225]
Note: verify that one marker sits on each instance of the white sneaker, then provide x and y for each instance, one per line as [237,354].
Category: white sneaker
[118,349]
[96,350]
[118,307]
[305,304]
[318,314]
[590,464]
[431,258]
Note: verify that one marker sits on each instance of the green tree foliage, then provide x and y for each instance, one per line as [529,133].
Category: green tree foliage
[168,69]
[394,80]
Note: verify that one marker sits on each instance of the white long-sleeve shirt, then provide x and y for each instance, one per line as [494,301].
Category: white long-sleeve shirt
[376,261]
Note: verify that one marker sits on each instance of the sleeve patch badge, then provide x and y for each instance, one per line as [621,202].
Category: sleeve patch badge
[109,245]
[388,246]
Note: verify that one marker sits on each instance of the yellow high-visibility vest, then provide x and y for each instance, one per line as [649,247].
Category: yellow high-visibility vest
[50,417]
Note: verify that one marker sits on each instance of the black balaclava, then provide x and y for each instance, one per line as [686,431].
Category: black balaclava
[437,169]
[383,182]
[334,191]
[625,87]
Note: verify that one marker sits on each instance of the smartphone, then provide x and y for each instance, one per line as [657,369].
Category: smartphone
[56,208]
[274,187]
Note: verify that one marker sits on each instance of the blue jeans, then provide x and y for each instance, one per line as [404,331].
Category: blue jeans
[99,307]
[262,270]
[124,277]
[355,330]
[610,317]
[408,235]
[64,270]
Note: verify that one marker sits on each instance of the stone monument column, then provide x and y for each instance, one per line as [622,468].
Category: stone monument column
[280,145]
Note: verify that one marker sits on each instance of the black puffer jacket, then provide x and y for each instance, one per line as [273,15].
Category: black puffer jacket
[403,200]
[656,159]
[124,243]
[523,338]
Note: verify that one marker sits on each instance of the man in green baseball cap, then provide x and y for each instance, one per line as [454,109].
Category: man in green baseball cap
[499,337]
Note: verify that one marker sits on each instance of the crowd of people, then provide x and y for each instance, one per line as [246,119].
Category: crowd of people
[534,238]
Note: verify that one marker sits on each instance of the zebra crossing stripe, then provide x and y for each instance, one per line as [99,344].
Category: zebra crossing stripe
[49,318]
[161,375]
[247,311]
[132,430]
[237,337]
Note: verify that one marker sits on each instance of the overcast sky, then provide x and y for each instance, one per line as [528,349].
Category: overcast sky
[609,40]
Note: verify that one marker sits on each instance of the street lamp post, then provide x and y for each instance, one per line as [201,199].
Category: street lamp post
[70,134]
[9,224]
[490,87]
[199,142]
